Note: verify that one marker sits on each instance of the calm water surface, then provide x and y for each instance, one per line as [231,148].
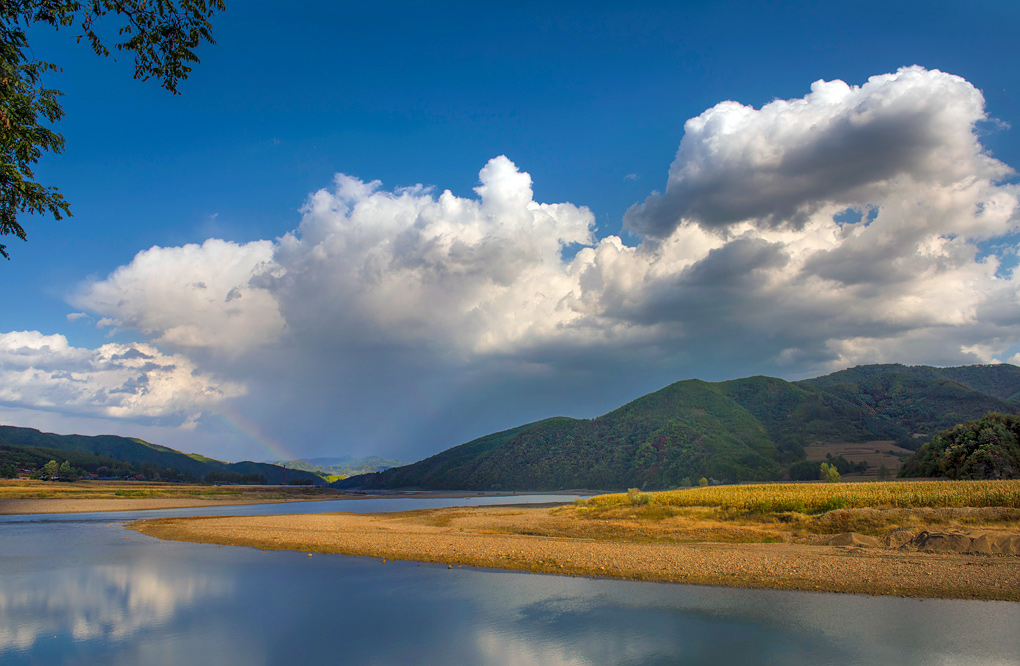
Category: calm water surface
[80,589]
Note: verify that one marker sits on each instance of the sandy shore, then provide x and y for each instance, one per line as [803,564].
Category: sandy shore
[498,537]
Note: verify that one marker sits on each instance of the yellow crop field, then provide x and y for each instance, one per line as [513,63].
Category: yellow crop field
[821,497]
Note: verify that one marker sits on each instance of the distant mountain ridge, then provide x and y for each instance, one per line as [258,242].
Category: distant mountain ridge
[1000,380]
[743,429]
[340,466]
[137,453]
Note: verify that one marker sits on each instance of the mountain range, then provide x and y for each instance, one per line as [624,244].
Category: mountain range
[738,430]
[754,428]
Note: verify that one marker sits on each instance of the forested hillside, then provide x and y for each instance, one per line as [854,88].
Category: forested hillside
[924,400]
[745,429]
[988,448]
[120,456]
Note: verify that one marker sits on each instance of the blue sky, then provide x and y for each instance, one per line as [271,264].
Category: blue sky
[589,100]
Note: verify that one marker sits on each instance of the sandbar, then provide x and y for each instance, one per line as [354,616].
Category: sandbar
[548,540]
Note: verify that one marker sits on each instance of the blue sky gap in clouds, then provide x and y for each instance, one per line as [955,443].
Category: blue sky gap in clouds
[612,199]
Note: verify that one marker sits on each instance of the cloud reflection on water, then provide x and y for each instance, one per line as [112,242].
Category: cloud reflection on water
[570,621]
[500,648]
[143,601]
[104,602]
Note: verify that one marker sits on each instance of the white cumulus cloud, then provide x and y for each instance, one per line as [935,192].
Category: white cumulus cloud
[122,381]
[190,296]
[474,275]
[839,145]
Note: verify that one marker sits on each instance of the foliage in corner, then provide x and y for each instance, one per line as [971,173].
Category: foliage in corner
[162,35]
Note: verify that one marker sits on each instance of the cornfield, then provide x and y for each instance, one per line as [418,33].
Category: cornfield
[821,497]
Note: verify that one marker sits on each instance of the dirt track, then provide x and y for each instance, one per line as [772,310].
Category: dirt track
[497,537]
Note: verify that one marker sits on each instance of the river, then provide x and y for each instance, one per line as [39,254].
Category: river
[81,589]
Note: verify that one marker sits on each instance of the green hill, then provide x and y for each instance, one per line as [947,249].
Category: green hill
[798,414]
[92,452]
[444,470]
[988,448]
[744,429]
[924,400]
[14,458]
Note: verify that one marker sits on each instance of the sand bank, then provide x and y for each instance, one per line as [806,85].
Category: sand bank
[543,539]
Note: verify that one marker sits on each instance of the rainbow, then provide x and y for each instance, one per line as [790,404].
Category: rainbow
[235,421]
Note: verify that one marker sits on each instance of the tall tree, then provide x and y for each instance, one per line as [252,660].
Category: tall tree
[161,34]
[50,469]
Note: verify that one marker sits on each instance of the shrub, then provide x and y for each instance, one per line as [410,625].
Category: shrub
[827,473]
[638,498]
